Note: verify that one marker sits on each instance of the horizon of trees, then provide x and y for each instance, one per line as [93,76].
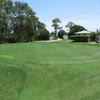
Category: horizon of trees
[19,23]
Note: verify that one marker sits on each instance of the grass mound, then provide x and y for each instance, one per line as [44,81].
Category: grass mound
[11,83]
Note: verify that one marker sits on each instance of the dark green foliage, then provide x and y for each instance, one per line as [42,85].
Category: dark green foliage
[74,29]
[61,33]
[18,22]
[79,38]
[44,35]
[84,38]
[93,36]
[42,32]
[56,22]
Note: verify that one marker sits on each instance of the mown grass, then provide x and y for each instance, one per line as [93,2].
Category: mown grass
[11,83]
[50,71]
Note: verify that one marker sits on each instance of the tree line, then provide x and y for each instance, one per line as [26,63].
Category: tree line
[19,23]
[72,27]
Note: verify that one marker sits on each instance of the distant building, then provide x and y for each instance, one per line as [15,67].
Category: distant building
[52,37]
[82,36]
[85,33]
[65,37]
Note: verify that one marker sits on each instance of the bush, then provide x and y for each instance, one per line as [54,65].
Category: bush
[44,35]
[79,38]
[61,33]
[93,36]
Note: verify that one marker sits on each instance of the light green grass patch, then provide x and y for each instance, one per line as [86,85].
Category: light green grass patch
[7,57]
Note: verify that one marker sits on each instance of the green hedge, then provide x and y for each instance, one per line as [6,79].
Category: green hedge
[79,38]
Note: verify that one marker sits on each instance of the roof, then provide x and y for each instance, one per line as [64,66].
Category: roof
[83,32]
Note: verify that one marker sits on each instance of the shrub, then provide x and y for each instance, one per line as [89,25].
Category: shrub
[93,36]
[61,33]
[44,35]
[79,38]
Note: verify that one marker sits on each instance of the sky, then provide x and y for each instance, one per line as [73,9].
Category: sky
[81,12]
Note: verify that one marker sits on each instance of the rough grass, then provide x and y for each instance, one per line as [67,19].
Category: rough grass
[50,71]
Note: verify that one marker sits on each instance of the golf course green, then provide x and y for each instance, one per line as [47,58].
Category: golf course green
[50,71]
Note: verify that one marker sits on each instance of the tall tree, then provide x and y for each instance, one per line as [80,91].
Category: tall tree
[43,33]
[76,28]
[25,21]
[73,28]
[56,22]
[18,21]
[61,33]
[5,18]
[69,25]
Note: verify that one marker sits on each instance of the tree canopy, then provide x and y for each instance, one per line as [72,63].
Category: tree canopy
[18,22]
[56,26]
[73,28]
[61,33]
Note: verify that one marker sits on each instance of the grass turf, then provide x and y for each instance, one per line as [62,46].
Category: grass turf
[49,71]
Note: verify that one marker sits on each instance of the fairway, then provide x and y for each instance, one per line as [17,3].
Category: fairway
[50,71]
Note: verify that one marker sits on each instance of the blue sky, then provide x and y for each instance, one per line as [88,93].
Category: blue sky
[83,12]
